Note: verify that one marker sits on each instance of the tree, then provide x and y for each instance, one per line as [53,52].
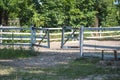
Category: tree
[117,4]
[86,16]
[66,12]
[22,9]
[105,13]
[54,13]
[5,7]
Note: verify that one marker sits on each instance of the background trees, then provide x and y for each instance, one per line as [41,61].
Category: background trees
[54,13]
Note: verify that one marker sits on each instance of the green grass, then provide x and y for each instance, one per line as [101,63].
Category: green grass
[84,67]
[81,67]
[15,53]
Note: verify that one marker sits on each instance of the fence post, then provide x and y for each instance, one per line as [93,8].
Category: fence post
[48,38]
[115,55]
[72,34]
[41,32]
[102,54]
[1,34]
[62,40]
[81,40]
[100,31]
[33,40]
[31,29]
[34,35]
[12,40]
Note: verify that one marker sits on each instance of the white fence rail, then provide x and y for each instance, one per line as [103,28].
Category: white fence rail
[82,29]
[10,35]
[90,33]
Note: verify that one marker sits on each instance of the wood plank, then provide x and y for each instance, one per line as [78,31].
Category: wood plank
[102,47]
[18,44]
[103,28]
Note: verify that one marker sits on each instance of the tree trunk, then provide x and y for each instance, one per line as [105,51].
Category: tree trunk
[4,18]
[0,17]
[96,24]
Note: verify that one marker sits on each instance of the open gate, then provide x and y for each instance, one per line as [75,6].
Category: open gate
[69,34]
[43,36]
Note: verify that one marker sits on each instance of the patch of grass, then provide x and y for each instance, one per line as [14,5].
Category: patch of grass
[15,53]
[29,74]
[79,67]
[82,67]
[113,77]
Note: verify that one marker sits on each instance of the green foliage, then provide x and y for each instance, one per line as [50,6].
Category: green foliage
[106,13]
[54,13]
[15,53]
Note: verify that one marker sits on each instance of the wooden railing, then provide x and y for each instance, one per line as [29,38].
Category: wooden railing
[99,30]
[24,36]
[10,35]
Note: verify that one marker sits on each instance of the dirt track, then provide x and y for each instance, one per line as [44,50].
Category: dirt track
[46,58]
[54,56]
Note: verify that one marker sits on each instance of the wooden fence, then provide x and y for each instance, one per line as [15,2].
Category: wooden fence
[99,30]
[10,35]
[101,33]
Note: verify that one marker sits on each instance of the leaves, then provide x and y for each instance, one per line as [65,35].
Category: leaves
[54,13]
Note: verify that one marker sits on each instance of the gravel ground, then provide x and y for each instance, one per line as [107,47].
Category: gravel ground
[46,58]
[55,55]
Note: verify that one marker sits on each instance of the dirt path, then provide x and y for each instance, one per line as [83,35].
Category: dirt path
[46,57]
[51,57]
